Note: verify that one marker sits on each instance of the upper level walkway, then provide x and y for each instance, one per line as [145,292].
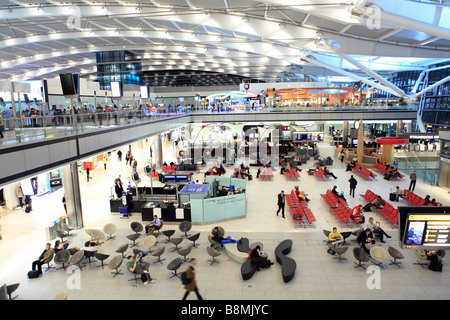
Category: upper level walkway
[36,144]
[32,128]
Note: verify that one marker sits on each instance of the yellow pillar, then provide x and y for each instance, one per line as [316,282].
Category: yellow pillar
[387,153]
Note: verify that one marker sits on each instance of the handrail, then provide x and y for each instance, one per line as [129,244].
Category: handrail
[33,127]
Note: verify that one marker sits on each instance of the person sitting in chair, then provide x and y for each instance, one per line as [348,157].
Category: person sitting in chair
[258,260]
[364,238]
[141,268]
[351,165]
[392,173]
[155,224]
[376,230]
[329,173]
[398,193]
[375,203]
[217,237]
[45,257]
[338,195]
[335,237]
[357,215]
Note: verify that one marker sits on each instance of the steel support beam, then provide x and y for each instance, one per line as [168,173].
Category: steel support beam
[446,79]
[373,75]
[352,75]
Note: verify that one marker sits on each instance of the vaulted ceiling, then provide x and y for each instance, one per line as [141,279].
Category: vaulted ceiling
[256,39]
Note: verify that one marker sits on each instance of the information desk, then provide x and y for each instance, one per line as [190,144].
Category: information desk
[148,209]
[207,207]
[165,212]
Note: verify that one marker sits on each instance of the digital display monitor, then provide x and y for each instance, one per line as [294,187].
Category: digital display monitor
[147,169]
[170,178]
[308,136]
[354,142]
[116,89]
[28,189]
[424,227]
[135,176]
[144,92]
[182,178]
[68,84]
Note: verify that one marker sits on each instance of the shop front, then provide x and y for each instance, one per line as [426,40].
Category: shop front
[312,97]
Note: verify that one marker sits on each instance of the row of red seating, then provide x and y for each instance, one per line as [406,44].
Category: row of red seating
[388,211]
[265,172]
[382,168]
[169,168]
[292,173]
[337,205]
[320,173]
[414,200]
[366,173]
[299,209]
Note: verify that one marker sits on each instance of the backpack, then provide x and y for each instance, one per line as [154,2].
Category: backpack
[32,274]
[184,279]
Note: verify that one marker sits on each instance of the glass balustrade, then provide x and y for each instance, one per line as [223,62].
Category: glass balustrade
[38,127]
[426,165]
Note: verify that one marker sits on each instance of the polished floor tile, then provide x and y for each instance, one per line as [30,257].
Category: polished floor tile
[318,275]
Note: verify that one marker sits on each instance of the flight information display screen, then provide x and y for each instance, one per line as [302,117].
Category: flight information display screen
[427,230]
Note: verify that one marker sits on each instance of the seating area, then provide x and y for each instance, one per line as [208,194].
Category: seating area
[338,206]
[288,265]
[147,247]
[320,173]
[266,173]
[169,169]
[382,168]
[415,200]
[387,210]
[364,172]
[299,210]
[292,174]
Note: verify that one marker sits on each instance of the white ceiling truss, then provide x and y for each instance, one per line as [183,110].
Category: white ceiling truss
[260,39]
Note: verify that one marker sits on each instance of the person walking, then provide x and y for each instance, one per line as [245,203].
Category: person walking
[1,126]
[413,178]
[353,183]
[64,203]
[119,155]
[192,285]
[87,173]
[281,202]
[105,161]
[19,194]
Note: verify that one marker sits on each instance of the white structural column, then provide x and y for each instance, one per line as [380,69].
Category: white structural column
[158,153]
[73,195]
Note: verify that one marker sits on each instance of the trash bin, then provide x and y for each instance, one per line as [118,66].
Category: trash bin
[50,232]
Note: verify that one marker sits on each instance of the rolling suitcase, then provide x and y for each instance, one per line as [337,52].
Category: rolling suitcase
[392,197]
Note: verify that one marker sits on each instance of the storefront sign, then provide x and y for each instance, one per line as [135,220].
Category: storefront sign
[423,136]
